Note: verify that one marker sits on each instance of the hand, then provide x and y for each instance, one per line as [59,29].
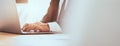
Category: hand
[42,27]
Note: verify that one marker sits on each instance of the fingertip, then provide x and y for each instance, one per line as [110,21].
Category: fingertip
[27,30]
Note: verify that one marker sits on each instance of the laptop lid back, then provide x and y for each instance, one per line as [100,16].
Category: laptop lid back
[9,21]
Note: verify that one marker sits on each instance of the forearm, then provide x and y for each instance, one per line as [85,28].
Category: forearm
[52,12]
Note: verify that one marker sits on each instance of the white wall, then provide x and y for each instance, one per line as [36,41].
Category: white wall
[93,22]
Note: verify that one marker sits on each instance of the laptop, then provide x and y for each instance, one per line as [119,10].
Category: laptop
[9,19]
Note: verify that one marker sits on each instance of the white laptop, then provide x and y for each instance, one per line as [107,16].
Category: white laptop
[9,20]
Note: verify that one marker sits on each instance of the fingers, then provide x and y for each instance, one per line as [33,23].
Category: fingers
[37,27]
[25,27]
[29,27]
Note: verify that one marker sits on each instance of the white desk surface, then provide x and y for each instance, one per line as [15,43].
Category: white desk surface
[7,39]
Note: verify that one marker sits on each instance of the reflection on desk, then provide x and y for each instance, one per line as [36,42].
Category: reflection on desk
[7,39]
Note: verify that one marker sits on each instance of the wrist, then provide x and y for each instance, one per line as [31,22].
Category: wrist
[45,27]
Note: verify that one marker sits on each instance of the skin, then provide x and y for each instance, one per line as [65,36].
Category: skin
[42,27]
